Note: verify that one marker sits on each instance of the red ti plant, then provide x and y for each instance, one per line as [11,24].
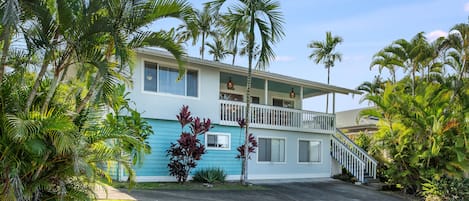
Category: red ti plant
[252,145]
[184,154]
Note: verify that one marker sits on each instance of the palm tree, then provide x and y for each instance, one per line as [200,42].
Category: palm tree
[385,60]
[217,49]
[373,88]
[10,13]
[263,17]
[324,52]
[434,62]
[410,55]
[458,50]
[47,150]
[105,41]
[204,22]
[234,25]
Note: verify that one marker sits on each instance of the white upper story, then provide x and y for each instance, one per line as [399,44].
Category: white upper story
[277,99]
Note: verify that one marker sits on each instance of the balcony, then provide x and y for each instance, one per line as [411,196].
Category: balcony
[271,117]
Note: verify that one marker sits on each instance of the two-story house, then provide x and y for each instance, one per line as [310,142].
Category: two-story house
[292,142]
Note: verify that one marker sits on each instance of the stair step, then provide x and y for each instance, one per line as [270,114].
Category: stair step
[371,180]
[375,186]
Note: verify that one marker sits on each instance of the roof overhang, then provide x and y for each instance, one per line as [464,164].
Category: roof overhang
[323,88]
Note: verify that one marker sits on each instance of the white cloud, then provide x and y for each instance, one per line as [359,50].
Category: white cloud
[284,58]
[466,7]
[435,34]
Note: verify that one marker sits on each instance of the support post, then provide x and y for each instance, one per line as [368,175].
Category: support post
[333,103]
[266,92]
[301,97]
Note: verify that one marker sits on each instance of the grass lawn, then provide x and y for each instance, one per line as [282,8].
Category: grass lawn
[187,186]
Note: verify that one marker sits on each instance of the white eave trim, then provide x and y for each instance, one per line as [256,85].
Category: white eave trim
[243,71]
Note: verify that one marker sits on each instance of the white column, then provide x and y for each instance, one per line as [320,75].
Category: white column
[333,103]
[301,97]
[266,92]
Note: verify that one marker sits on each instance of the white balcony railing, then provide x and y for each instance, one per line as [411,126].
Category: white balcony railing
[263,116]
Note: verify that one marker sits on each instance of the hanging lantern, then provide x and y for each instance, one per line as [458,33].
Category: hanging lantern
[292,93]
[230,85]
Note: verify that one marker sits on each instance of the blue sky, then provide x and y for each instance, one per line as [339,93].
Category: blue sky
[366,26]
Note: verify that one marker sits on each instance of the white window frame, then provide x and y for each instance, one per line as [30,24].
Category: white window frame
[172,66]
[218,134]
[283,99]
[310,140]
[270,162]
[232,92]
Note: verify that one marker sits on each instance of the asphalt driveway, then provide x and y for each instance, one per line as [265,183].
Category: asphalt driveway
[330,190]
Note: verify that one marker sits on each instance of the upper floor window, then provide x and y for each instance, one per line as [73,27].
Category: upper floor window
[163,79]
[283,103]
[255,99]
[231,97]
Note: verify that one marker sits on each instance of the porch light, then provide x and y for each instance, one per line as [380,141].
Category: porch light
[292,93]
[230,85]
[149,77]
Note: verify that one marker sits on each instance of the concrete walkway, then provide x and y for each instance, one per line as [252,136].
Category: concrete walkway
[284,181]
[112,193]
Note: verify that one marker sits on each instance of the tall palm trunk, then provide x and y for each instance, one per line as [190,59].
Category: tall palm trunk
[42,72]
[248,99]
[90,93]
[37,83]
[202,49]
[6,47]
[413,82]
[463,65]
[235,49]
[328,81]
[58,75]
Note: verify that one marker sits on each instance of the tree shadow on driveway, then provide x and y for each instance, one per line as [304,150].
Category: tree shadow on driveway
[330,190]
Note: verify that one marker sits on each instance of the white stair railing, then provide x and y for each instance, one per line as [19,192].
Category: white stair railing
[370,162]
[348,159]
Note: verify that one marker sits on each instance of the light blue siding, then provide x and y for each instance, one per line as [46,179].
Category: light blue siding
[225,159]
[155,164]
[291,168]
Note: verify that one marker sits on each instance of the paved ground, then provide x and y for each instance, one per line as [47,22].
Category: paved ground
[108,192]
[330,190]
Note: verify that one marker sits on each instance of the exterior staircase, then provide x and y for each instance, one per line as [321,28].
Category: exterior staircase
[353,158]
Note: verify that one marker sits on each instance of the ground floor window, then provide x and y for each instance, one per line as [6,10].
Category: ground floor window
[309,151]
[271,149]
[220,141]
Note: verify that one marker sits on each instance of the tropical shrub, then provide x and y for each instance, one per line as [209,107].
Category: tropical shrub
[423,129]
[184,154]
[251,147]
[446,189]
[252,143]
[210,175]
[363,141]
[56,88]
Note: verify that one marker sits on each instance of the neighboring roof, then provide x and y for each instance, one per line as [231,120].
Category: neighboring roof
[351,119]
[256,73]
